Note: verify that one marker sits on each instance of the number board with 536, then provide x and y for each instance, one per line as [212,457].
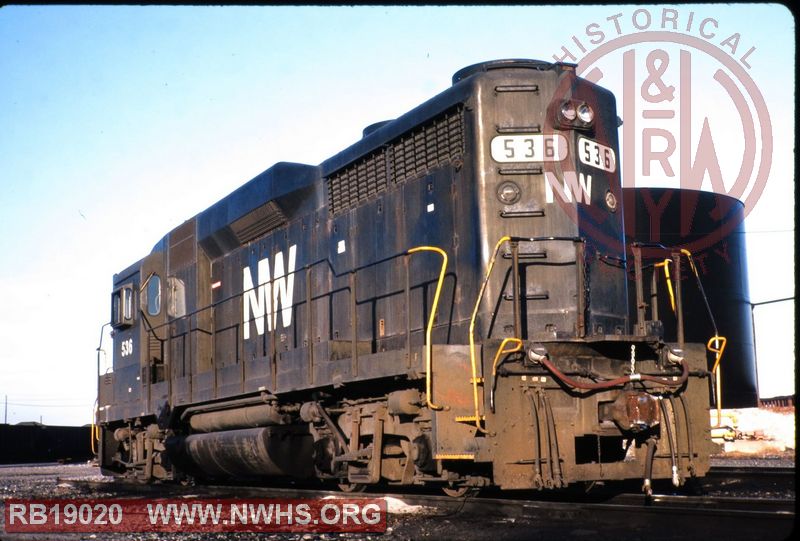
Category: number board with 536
[595,155]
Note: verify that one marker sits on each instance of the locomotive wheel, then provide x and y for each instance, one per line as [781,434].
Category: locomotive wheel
[352,487]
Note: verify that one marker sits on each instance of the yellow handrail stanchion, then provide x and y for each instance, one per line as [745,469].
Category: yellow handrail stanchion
[472,332]
[718,348]
[666,263]
[688,255]
[719,341]
[431,319]
[95,430]
[503,351]
[500,352]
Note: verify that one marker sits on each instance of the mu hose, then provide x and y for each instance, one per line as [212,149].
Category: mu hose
[617,381]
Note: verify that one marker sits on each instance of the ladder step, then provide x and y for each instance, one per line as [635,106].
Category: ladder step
[465,456]
[469,418]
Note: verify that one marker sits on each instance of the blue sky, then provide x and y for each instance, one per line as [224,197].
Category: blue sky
[118,123]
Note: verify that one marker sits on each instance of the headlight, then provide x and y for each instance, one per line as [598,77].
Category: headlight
[575,114]
[585,113]
[568,111]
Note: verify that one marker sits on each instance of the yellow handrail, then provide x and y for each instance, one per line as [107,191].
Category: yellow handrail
[719,347]
[431,319]
[95,431]
[688,255]
[472,332]
[719,341]
[666,263]
[500,352]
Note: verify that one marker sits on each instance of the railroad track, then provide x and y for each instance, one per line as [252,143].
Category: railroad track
[751,472]
[425,497]
[749,480]
[652,518]
[605,511]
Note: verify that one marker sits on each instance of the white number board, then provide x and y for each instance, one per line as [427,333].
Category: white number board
[596,155]
[535,147]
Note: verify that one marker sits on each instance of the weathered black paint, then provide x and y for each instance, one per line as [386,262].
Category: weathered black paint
[361,303]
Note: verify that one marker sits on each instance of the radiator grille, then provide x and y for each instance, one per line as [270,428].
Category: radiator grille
[413,154]
[258,222]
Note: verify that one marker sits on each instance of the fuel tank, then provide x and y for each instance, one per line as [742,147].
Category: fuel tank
[284,451]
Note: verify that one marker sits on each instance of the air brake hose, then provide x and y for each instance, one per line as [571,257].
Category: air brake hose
[676,481]
[549,482]
[544,359]
[677,430]
[538,483]
[648,467]
[551,425]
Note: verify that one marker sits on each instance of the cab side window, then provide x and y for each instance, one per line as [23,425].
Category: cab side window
[154,295]
[176,300]
[122,307]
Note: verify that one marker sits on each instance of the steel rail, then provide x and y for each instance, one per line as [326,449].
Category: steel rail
[659,503]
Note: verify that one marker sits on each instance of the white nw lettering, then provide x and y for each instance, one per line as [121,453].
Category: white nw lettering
[263,301]
[579,184]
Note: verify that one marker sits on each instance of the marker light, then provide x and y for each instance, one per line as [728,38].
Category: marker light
[611,201]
